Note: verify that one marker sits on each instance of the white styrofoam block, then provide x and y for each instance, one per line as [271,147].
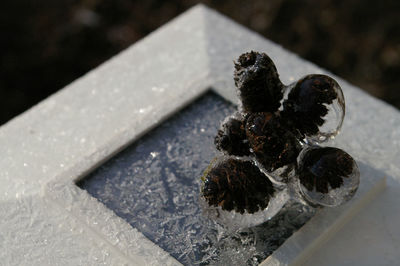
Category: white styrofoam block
[48,220]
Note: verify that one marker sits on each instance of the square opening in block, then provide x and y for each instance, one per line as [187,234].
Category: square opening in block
[154,185]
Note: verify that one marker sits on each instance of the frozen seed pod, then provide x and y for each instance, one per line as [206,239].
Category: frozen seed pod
[273,145]
[315,107]
[231,137]
[327,176]
[257,80]
[237,185]
[237,194]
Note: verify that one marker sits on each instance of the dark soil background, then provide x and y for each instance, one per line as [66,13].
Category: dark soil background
[46,44]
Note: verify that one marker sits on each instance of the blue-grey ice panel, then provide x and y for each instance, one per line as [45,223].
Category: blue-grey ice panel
[154,185]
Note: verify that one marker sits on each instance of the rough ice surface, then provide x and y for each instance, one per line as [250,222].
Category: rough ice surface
[154,185]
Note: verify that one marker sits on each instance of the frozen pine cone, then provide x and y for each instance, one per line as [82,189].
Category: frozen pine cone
[307,102]
[231,137]
[273,145]
[257,80]
[236,185]
[325,166]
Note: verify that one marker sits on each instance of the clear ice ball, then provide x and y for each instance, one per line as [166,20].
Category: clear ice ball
[315,105]
[237,194]
[327,176]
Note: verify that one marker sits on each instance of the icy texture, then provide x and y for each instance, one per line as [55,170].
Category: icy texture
[281,175]
[33,232]
[308,100]
[234,221]
[335,171]
[236,194]
[251,246]
[154,185]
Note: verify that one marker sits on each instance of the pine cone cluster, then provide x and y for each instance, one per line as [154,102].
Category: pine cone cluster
[270,130]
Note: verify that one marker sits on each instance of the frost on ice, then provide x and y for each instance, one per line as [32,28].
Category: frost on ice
[154,185]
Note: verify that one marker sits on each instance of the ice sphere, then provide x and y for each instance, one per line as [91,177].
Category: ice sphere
[238,194]
[315,107]
[327,176]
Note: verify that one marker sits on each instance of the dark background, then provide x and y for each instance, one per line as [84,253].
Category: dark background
[46,44]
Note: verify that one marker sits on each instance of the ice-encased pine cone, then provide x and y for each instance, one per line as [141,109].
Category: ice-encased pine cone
[325,166]
[231,137]
[273,145]
[257,80]
[236,185]
[305,106]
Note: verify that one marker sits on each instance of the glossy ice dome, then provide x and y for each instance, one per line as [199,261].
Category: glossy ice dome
[327,176]
[315,107]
